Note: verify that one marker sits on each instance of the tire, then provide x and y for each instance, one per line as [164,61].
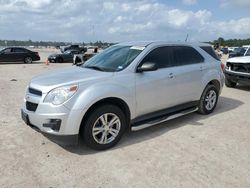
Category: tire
[208,100]
[229,83]
[27,60]
[60,60]
[96,132]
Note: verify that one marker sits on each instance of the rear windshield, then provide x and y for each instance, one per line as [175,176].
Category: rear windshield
[210,51]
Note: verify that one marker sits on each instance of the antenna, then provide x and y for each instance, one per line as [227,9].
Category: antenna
[186,38]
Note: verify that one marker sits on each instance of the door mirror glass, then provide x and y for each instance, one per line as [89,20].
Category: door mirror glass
[147,66]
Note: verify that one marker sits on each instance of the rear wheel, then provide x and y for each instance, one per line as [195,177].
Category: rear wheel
[230,83]
[27,60]
[104,127]
[208,100]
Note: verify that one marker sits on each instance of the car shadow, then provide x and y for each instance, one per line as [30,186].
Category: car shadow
[243,87]
[20,63]
[129,138]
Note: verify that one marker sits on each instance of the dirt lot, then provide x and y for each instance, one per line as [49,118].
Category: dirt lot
[192,151]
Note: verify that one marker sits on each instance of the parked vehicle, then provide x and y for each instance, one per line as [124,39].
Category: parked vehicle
[224,50]
[74,47]
[237,52]
[247,53]
[66,56]
[237,70]
[127,86]
[17,54]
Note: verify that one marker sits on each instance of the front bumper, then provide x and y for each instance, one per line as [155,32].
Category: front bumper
[237,76]
[42,124]
[52,59]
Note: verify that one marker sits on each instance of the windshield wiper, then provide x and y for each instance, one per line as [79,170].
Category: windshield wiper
[94,67]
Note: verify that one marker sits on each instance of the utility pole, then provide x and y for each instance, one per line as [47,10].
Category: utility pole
[186,38]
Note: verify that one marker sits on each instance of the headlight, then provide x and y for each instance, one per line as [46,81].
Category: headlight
[60,95]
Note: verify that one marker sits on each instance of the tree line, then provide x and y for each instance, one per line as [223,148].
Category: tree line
[220,41]
[49,43]
[231,42]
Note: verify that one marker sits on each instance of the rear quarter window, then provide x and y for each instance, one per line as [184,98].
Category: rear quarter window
[210,51]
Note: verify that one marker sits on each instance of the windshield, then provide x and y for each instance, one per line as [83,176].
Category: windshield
[113,59]
[237,50]
[67,52]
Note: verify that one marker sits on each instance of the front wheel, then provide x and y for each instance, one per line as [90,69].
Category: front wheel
[208,100]
[59,60]
[104,127]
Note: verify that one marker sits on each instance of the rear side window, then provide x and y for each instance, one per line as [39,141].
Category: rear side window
[19,50]
[185,55]
[162,56]
[210,51]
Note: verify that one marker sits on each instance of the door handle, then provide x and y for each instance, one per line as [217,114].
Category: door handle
[170,75]
[202,68]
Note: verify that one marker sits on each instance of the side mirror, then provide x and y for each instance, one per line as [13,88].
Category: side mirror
[147,66]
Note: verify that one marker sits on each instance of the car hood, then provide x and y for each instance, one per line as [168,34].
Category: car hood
[66,76]
[242,59]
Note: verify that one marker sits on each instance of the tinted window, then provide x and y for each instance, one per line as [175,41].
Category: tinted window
[8,50]
[210,51]
[19,50]
[184,55]
[162,56]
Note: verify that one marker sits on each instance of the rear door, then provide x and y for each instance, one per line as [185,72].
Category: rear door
[189,70]
[19,54]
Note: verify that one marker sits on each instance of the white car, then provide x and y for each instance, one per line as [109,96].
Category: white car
[237,70]
[127,86]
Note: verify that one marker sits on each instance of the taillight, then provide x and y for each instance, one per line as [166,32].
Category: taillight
[222,65]
[37,54]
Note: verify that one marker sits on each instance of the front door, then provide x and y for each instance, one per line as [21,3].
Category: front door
[156,90]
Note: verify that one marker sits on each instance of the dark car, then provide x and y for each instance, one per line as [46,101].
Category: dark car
[74,47]
[15,54]
[237,52]
[66,56]
[224,50]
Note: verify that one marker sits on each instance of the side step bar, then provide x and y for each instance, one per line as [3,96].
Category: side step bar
[163,119]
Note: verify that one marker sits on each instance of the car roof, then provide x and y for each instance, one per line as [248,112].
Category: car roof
[147,43]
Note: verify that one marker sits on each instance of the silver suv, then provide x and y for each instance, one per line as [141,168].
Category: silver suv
[127,86]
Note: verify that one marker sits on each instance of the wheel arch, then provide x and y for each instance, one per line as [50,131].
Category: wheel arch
[110,100]
[216,83]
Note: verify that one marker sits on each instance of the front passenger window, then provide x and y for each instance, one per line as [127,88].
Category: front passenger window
[161,56]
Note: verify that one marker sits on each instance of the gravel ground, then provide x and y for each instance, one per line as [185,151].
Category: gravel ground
[191,151]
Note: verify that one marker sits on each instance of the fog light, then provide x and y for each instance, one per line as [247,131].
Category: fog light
[54,124]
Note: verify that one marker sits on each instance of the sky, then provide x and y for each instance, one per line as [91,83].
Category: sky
[123,20]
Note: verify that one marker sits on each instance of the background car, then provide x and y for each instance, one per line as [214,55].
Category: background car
[237,52]
[224,50]
[15,54]
[73,47]
[66,56]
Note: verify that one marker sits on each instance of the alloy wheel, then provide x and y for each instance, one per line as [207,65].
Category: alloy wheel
[106,128]
[210,99]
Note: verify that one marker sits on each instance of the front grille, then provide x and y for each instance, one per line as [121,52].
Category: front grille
[31,106]
[35,92]
[240,67]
